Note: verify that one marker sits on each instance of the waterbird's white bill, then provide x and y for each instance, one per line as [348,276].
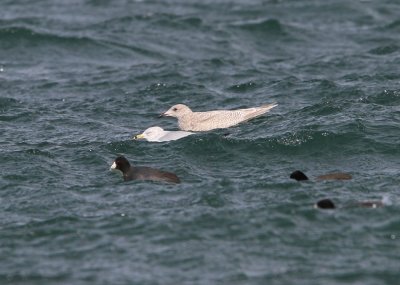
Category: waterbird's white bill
[113,166]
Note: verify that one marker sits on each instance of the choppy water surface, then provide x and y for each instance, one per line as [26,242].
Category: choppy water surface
[79,78]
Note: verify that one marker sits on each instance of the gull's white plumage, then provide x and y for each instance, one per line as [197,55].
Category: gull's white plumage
[218,119]
[158,134]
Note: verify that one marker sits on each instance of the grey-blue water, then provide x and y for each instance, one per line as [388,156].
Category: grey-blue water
[79,78]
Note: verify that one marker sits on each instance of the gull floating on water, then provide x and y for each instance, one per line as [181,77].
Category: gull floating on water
[218,119]
[130,172]
[157,134]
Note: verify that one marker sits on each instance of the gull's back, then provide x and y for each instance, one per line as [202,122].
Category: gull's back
[205,121]
[173,135]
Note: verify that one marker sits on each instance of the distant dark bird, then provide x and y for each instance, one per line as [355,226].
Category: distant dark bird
[300,176]
[142,173]
[328,204]
[325,204]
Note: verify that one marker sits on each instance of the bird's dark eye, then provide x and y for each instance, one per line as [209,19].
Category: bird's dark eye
[175,109]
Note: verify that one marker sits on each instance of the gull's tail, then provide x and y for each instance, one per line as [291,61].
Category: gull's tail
[257,111]
[269,106]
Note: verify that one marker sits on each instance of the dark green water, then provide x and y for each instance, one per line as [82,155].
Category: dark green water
[79,78]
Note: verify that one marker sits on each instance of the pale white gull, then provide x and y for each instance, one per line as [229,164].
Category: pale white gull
[218,119]
[157,134]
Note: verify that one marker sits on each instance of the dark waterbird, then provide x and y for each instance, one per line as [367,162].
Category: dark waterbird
[142,173]
[325,204]
[328,204]
[300,176]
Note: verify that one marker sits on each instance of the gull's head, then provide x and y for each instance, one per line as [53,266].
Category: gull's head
[177,111]
[151,134]
[121,164]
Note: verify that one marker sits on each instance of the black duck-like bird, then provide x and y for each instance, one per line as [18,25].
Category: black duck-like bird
[142,173]
[300,176]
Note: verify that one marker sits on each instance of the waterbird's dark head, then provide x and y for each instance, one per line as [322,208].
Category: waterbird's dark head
[325,204]
[121,164]
[177,111]
[298,175]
